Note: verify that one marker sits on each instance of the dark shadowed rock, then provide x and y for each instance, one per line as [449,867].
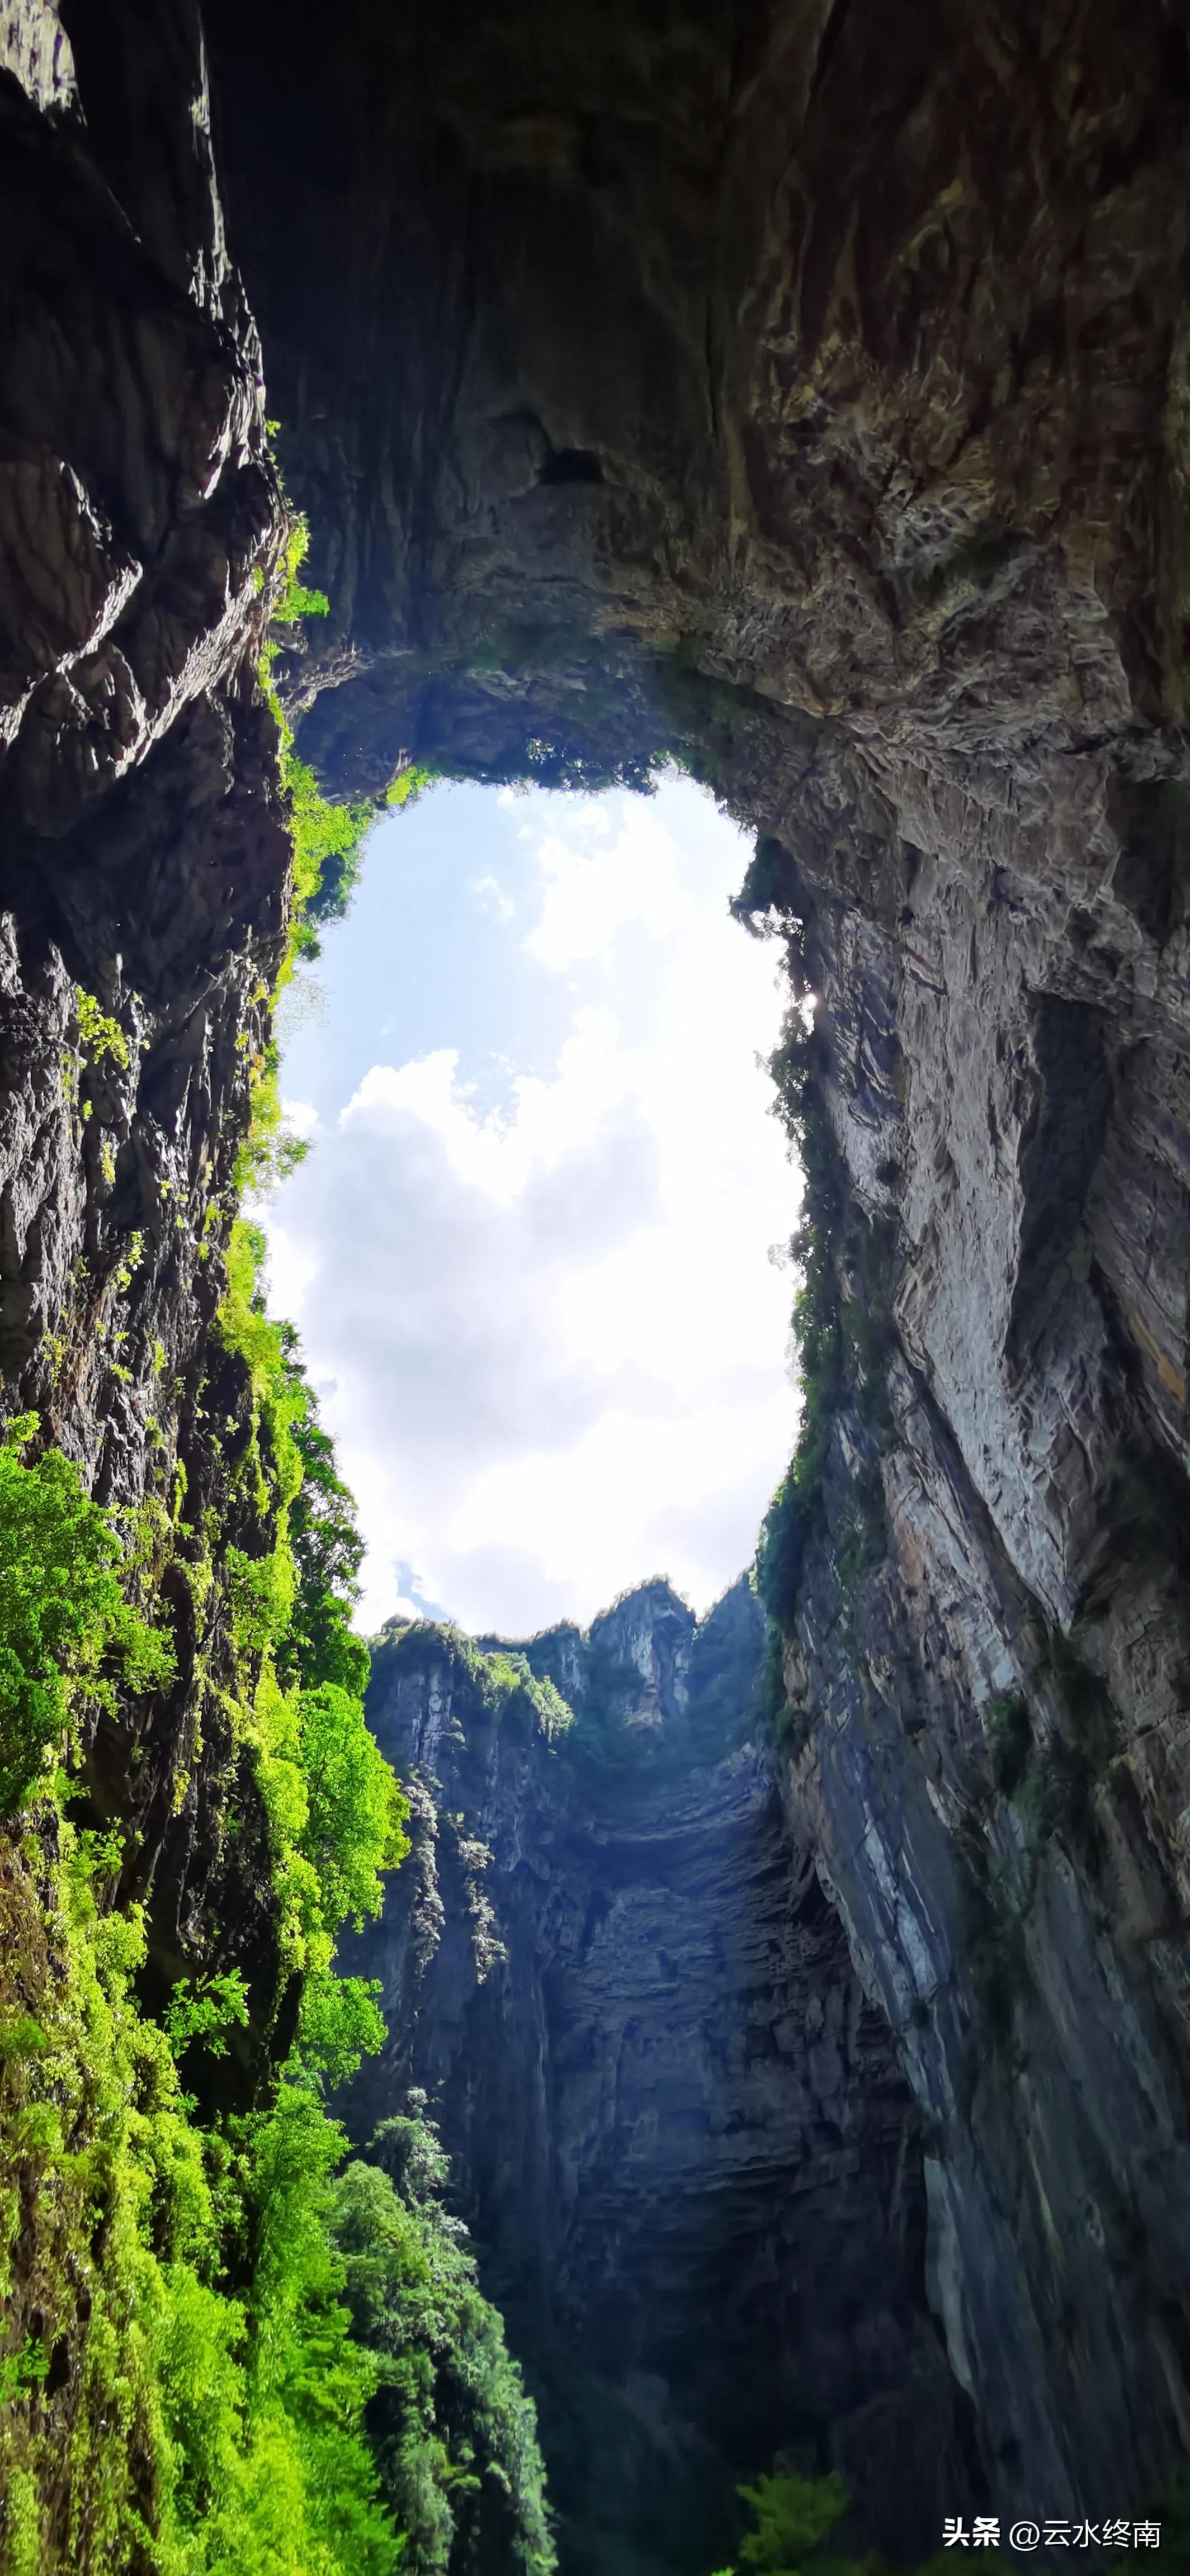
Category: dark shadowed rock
[800,389]
[679,2130]
[871,322]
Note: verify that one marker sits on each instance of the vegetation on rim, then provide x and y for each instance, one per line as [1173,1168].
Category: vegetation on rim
[190,2381]
[842,1333]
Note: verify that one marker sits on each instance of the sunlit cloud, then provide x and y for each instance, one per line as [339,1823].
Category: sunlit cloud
[551,1345]
[601,872]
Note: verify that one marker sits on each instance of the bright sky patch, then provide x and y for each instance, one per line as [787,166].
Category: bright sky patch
[528,1252]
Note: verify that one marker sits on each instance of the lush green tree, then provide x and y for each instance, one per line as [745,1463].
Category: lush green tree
[791,2518]
[456,2436]
[68,1632]
[326,1544]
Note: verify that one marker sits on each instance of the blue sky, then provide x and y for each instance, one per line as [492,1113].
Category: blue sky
[528,1252]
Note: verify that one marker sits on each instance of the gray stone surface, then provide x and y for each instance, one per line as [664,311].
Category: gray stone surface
[804,389]
[678,2128]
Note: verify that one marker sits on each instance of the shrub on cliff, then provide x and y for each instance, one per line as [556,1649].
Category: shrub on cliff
[326,1544]
[68,1634]
[791,2518]
[843,1335]
[456,2436]
[795,1509]
[216,2423]
[791,2522]
[335,1813]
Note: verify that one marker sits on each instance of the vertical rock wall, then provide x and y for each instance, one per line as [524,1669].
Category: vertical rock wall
[803,389]
[144,862]
[678,2128]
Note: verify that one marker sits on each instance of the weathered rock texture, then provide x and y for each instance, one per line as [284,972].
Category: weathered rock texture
[143,856]
[802,387]
[806,386]
[681,2136]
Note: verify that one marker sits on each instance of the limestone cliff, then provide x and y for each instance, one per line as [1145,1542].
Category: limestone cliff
[678,2128]
[801,389]
[143,876]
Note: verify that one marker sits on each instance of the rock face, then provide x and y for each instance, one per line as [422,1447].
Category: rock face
[679,2130]
[144,855]
[802,388]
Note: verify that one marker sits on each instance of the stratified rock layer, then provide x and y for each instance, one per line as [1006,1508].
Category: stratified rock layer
[678,2128]
[144,861]
[804,388]
[801,387]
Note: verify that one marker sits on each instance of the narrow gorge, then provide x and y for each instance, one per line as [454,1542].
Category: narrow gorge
[688,2149]
[796,391]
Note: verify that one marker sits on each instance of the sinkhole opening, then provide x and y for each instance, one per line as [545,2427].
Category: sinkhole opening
[533,1248]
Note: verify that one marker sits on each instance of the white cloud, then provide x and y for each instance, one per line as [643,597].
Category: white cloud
[301,1117]
[494,897]
[600,879]
[555,1342]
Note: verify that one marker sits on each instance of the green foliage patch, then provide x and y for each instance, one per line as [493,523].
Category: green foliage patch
[217,2427]
[328,839]
[843,1333]
[215,2431]
[791,2518]
[1009,1738]
[196,2399]
[795,1510]
[101,1039]
[497,1681]
[456,2436]
[68,1634]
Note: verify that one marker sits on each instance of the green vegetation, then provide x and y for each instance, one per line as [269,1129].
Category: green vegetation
[295,601]
[791,2518]
[202,2009]
[997,1945]
[208,2431]
[843,1331]
[215,2427]
[767,896]
[498,1682]
[411,783]
[795,1510]
[328,851]
[279,2369]
[323,1535]
[101,1040]
[791,2521]
[1067,1770]
[185,2389]
[1050,1780]
[333,1808]
[68,1635]
[328,839]
[1010,1737]
[455,2435]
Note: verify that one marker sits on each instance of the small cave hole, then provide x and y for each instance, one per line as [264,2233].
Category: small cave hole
[571,465]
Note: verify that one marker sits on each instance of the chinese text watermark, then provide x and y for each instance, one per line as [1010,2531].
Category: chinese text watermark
[1054,2533]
